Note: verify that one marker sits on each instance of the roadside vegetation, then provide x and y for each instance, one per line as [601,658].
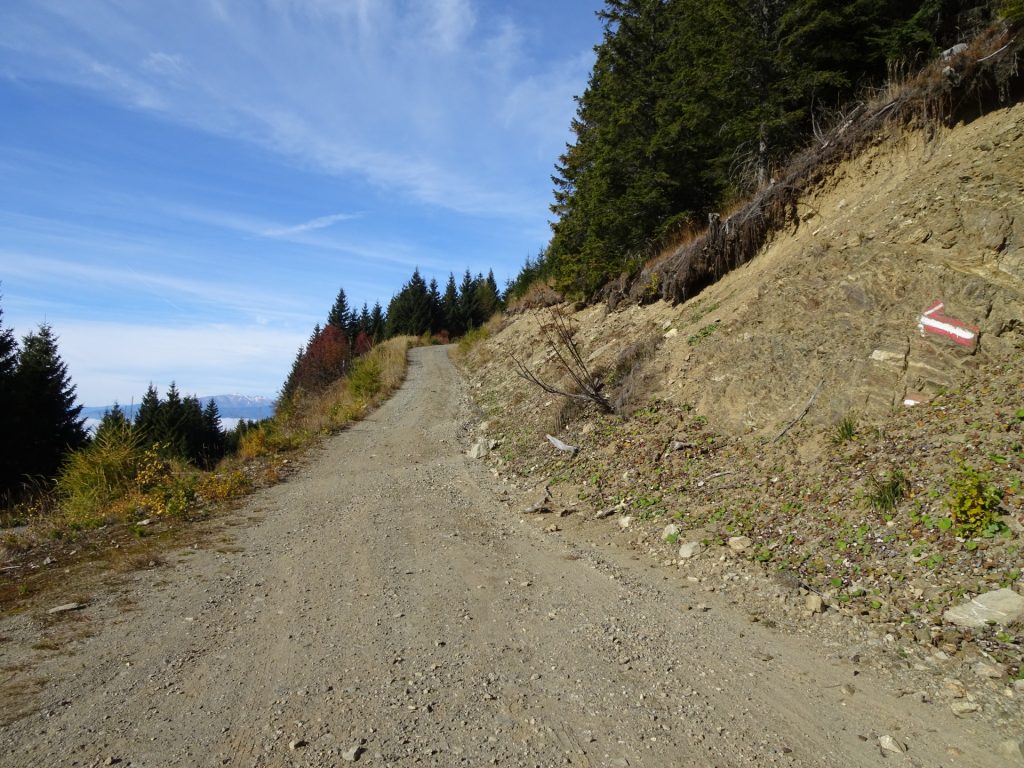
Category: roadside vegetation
[142,475]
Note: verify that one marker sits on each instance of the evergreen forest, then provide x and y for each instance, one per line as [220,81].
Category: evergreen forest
[418,308]
[693,104]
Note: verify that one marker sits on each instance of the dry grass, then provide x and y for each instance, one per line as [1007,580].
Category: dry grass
[374,377]
[539,295]
[630,381]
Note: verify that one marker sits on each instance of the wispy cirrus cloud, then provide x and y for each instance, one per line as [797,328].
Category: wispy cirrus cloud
[321,222]
[26,268]
[425,98]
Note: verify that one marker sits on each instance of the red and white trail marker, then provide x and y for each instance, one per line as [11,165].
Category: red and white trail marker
[933,321]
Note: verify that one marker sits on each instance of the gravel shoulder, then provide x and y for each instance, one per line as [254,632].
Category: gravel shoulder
[385,606]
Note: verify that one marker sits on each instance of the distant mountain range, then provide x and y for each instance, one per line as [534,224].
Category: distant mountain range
[231,407]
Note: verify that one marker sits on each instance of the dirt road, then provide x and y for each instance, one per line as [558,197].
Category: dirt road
[383,606]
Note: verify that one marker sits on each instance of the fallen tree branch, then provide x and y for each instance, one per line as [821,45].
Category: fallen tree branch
[996,53]
[802,413]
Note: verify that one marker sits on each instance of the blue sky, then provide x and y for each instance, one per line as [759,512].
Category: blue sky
[186,185]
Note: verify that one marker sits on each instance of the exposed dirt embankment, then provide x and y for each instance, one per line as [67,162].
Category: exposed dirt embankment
[772,406]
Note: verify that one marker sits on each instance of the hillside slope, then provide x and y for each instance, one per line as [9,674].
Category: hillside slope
[771,405]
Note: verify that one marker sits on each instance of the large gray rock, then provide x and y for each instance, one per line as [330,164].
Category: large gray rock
[1001,606]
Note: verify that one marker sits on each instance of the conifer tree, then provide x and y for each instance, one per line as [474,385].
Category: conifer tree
[148,418]
[341,316]
[115,420]
[291,381]
[8,437]
[434,297]
[452,319]
[377,323]
[364,320]
[467,302]
[48,420]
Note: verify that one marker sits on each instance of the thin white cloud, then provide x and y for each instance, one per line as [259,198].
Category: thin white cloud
[109,361]
[452,22]
[412,95]
[321,222]
[32,268]
[394,252]
[168,64]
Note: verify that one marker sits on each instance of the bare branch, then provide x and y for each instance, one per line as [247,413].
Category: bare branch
[560,338]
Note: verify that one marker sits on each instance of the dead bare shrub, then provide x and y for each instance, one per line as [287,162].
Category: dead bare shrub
[559,334]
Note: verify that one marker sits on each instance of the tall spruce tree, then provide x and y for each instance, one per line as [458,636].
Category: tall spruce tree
[214,442]
[451,317]
[147,417]
[341,315]
[9,475]
[48,420]
[377,323]
[467,302]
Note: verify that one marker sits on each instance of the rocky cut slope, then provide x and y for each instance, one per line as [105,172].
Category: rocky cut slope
[813,404]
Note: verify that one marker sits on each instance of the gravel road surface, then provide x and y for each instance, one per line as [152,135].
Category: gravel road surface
[384,607]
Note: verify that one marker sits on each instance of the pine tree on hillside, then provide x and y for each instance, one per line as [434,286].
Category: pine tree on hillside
[364,323]
[115,420]
[452,320]
[148,418]
[8,437]
[48,421]
[214,442]
[190,430]
[341,316]
[291,381]
[467,302]
[171,424]
[410,310]
[434,297]
[377,323]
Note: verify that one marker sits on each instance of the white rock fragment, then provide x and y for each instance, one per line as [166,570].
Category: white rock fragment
[67,607]
[889,744]
[479,449]
[814,603]
[352,755]
[1000,606]
[670,530]
[690,549]
[961,708]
